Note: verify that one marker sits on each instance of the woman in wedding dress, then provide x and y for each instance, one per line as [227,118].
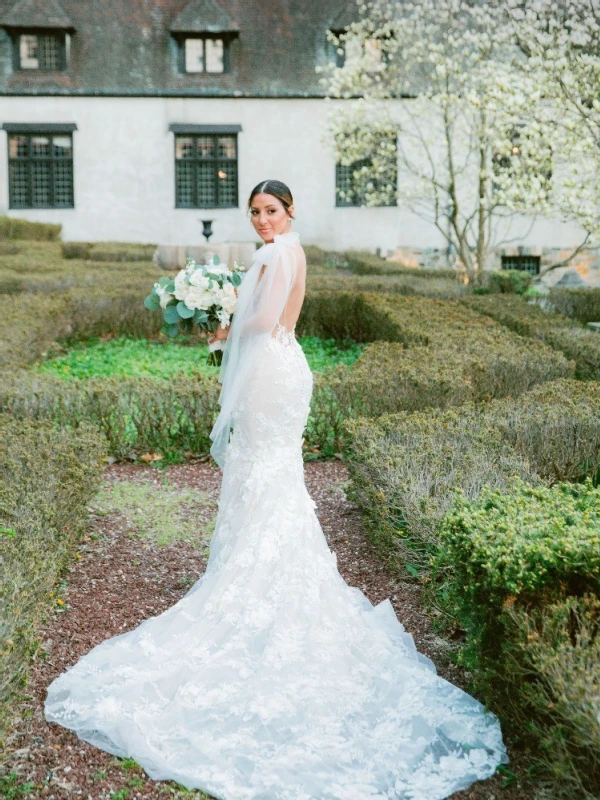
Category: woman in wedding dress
[273,679]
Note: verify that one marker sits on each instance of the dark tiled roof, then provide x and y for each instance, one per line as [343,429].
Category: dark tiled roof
[202,16]
[36,14]
[127,47]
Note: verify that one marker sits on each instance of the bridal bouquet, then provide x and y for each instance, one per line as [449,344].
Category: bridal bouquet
[202,294]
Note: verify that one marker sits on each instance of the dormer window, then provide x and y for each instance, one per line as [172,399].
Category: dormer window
[43,51]
[204,54]
[342,52]
[204,31]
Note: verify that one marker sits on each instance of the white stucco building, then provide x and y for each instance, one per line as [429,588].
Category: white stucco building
[134,120]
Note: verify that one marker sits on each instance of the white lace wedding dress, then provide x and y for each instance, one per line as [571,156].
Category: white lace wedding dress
[272,679]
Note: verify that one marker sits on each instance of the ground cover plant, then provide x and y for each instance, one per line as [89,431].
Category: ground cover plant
[140,357]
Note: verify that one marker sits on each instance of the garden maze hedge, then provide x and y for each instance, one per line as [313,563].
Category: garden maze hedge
[471,429]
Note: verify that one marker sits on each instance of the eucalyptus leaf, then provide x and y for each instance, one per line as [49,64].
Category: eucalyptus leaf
[183,311]
[216,260]
[171,315]
[172,330]
[200,316]
[170,286]
[236,278]
[152,302]
[163,281]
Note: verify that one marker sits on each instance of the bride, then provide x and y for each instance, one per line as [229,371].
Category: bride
[273,679]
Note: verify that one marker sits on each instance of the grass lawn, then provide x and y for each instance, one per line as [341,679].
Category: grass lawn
[125,356]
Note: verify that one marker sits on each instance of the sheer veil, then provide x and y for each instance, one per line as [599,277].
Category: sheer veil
[261,300]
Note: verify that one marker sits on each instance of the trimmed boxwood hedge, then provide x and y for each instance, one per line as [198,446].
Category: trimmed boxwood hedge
[522,577]
[47,477]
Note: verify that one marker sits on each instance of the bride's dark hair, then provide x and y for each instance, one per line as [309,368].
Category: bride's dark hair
[278,189]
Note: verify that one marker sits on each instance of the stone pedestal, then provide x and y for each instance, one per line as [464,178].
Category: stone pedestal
[175,256]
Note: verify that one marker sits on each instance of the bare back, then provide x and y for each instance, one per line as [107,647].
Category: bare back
[291,312]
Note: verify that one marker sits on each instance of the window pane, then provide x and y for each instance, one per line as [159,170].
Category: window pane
[61,147]
[40,180]
[17,146]
[206,186]
[18,183]
[184,147]
[40,146]
[206,147]
[226,147]
[226,176]
[214,55]
[49,50]
[28,52]
[63,184]
[184,184]
[194,55]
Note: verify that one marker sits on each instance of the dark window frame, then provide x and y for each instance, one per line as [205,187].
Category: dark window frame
[342,177]
[216,161]
[181,38]
[60,35]
[30,132]
[340,58]
[521,262]
[503,163]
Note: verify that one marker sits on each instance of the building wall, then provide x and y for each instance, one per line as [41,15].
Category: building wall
[124,175]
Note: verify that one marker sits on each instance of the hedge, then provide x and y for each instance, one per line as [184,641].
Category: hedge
[136,415]
[47,477]
[560,332]
[11,228]
[581,304]
[405,468]
[522,576]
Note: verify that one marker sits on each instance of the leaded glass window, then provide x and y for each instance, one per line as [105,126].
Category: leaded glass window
[204,54]
[206,171]
[45,52]
[40,169]
[524,263]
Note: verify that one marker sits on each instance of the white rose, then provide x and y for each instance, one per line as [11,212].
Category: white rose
[198,298]
[181,285]
[229,298]
[200,280]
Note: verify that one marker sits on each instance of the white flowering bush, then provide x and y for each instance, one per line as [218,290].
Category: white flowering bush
[200,294]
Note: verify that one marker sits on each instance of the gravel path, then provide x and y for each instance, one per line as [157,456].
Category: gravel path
[126,572]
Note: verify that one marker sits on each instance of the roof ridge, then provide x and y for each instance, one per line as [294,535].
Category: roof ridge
[37,14]
[200,16]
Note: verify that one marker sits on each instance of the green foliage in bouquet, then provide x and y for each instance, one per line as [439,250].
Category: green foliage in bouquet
[182,307]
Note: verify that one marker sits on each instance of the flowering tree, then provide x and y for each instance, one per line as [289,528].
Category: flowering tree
[447,82]
[561,39]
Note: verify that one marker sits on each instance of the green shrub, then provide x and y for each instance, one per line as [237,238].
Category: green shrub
[509,281]
[558,331]
[11,228]
[75,249]
[28,325]
[361,263]
[47,477]
[580,304]
[136,415]
[405,469]
[555,427]
[521,575]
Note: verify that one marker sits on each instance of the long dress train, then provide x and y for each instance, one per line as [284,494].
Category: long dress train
[272,679]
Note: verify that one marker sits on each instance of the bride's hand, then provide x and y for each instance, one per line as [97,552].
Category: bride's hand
[219,335]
